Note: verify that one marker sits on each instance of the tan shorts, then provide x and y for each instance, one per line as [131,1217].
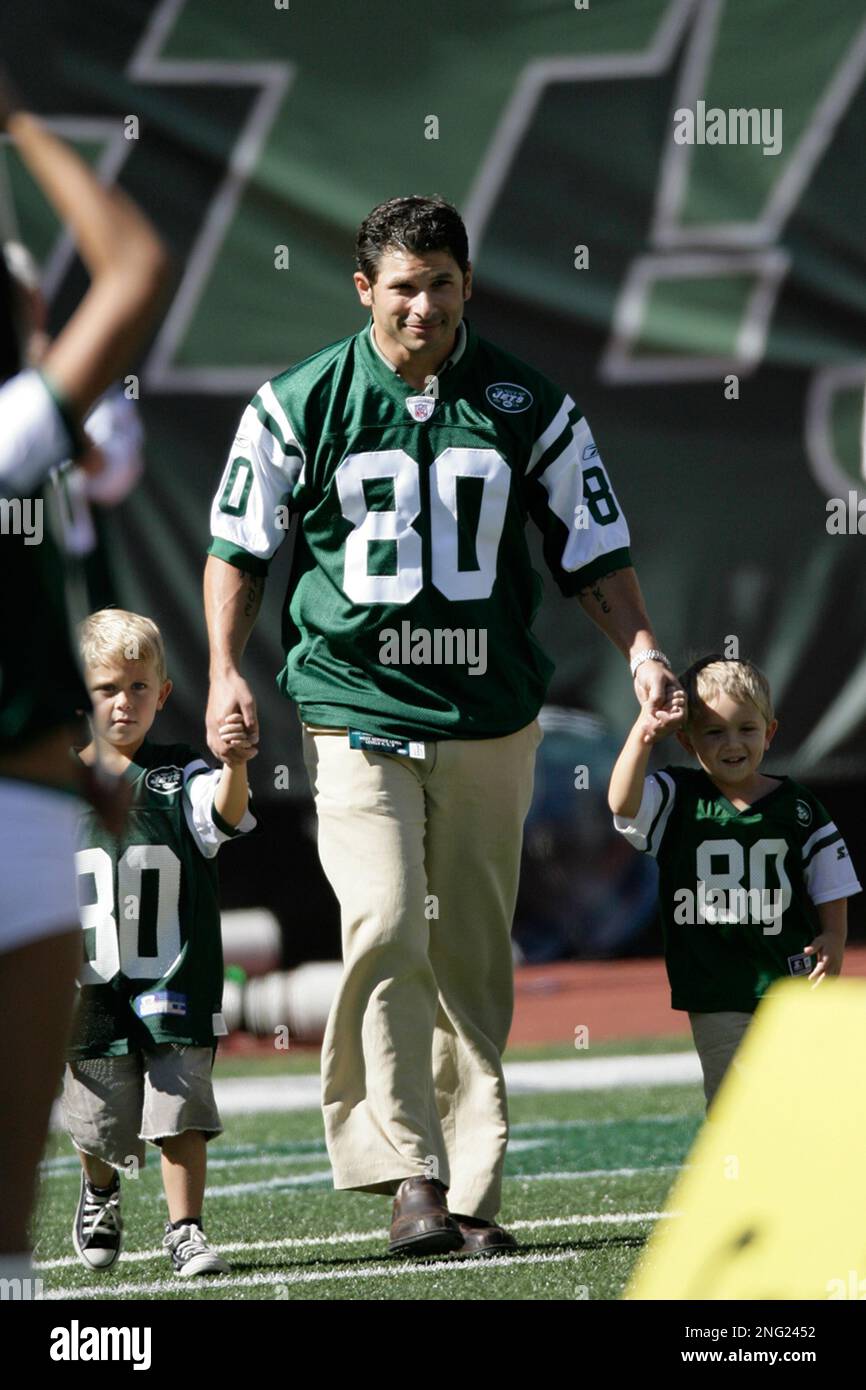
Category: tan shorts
[717,1037]
[112,1105]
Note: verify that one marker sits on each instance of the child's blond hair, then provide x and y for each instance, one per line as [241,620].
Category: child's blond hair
[718,675]
[113,634]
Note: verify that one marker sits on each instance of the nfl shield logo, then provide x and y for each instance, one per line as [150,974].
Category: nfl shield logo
[420,407]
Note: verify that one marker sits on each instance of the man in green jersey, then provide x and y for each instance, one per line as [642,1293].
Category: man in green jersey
[754,877]
[414,452]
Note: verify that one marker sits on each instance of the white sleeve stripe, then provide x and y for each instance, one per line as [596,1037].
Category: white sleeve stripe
[554,429]
[558,480]
[638,829]
[657,829]
[264,478]
[818,835]
[829,873]
[287,463]
[268,398]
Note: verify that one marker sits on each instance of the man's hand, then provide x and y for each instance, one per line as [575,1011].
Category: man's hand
[231,706]
[661,697]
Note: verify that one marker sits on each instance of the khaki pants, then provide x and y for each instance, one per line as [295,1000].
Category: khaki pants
[717,1037]
[424,857]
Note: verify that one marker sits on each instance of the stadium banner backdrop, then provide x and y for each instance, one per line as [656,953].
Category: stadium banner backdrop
[705,302]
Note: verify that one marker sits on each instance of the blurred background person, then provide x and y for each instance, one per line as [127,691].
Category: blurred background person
[42,693]
[83,491]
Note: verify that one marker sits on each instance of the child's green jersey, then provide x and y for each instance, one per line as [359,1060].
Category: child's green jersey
[738,890]
[412,592]
[149,907]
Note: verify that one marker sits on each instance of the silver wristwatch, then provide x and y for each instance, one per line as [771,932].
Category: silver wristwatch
[649,654]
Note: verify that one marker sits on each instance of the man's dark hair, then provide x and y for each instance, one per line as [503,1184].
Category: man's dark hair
[10,349]
[411,224]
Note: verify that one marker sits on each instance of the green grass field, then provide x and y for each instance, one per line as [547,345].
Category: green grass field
[586,1176]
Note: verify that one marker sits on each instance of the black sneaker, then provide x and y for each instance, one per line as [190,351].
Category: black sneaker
[190,1252]
[97,1232]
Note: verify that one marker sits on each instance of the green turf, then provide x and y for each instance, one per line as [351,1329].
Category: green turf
[563,1161]
[614,1047]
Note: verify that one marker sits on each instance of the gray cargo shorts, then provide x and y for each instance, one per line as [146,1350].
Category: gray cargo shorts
[112,1106]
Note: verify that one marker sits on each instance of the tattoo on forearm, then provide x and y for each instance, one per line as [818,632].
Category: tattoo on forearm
[595,591]
[255,585]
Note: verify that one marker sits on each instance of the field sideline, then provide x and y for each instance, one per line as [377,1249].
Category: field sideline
[587,1176]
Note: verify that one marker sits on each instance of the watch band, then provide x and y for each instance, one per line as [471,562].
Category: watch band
[649,654]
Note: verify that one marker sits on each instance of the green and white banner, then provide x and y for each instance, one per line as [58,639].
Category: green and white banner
[667,212]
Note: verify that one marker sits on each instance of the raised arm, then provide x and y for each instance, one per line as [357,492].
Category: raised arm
[232,599]
[627,778]
[127,263]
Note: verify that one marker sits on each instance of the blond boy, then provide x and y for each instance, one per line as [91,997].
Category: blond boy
[149,1017]
[754,877]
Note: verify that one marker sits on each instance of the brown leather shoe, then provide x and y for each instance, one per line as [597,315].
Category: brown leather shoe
[483,1237]
[421,1222]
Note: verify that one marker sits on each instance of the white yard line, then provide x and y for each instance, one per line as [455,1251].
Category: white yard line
[506,1264]
[602,1073]
[249,1247]
[530,1126]
[593,1173]
[236,1095]
[230,1155]
[245,1189]
[62,1168]
[244,1095]
[242,1189]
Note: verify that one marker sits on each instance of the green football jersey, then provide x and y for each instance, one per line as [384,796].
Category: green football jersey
[737,889]
[412,593]
[149,907]
[40,683]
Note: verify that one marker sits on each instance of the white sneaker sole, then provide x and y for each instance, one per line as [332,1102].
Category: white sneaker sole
[203,1264]
[98,1268]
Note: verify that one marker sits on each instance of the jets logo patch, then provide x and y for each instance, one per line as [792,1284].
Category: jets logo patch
[164,779]
[804,813]
[508,397]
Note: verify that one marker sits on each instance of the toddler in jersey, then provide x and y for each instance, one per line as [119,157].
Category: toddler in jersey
[148,1018]
[754,877]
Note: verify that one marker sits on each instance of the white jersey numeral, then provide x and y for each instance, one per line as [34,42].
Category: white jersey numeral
[393,525]
[117,927]
[396,523]
[732,877]
[492,469]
